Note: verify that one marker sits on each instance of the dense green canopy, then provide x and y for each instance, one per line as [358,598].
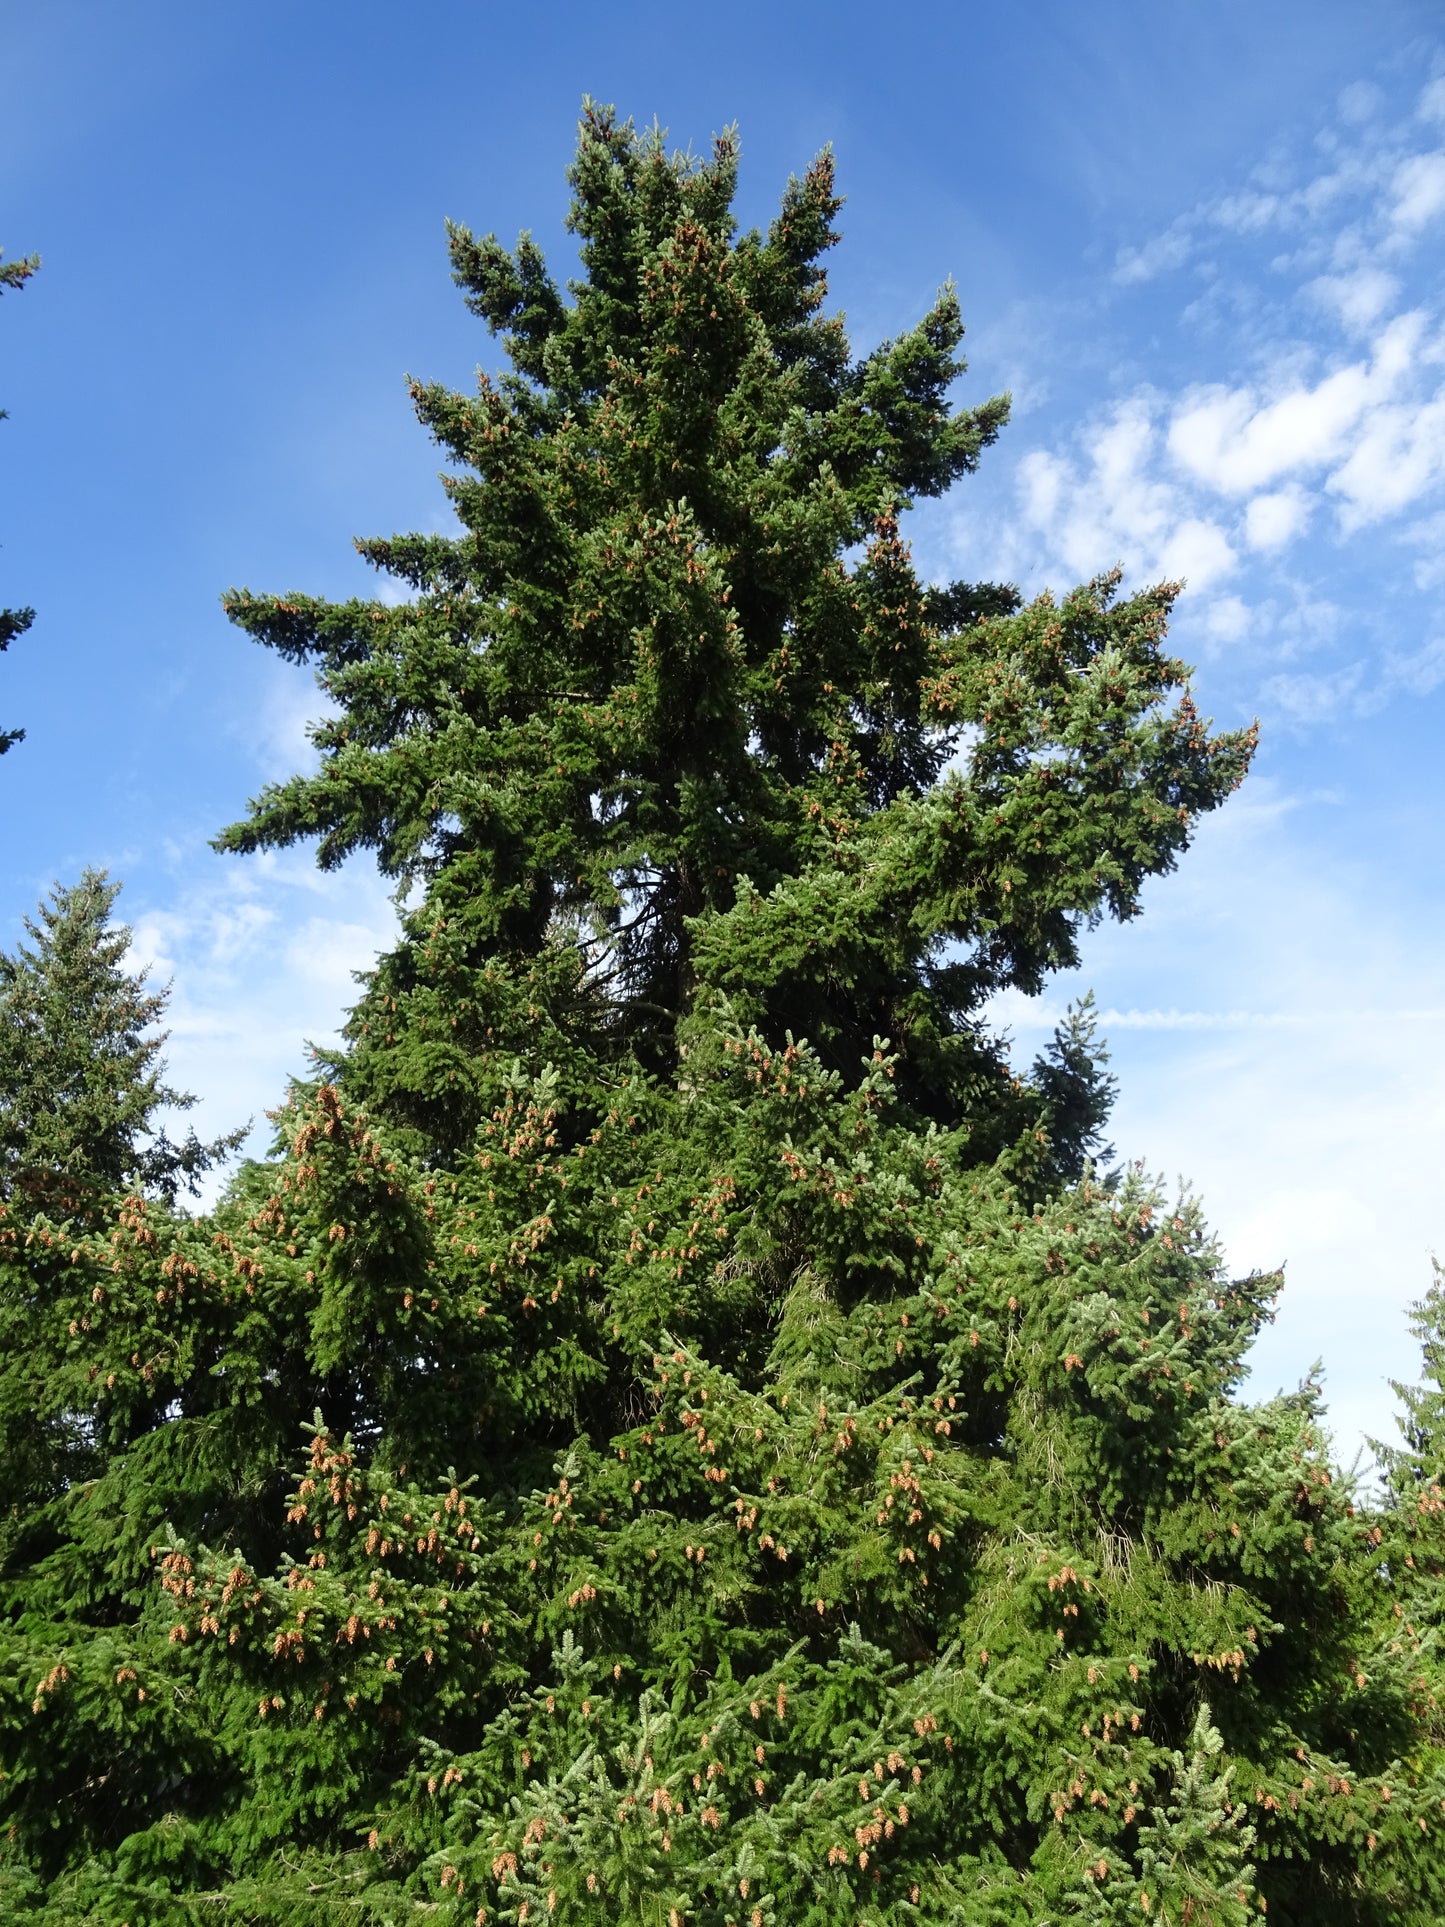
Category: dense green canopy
[680,1431]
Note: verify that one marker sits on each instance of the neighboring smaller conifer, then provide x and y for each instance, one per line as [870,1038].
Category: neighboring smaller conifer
[1192,1862]
[1410,1534]
[1077,1090]
[81,1073]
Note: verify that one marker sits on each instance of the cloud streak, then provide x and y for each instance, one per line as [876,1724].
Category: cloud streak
[1297,1084]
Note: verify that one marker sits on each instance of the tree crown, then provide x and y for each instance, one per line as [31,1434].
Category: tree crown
[674,714]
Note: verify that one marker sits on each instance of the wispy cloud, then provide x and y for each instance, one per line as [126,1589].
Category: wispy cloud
[1037,1015]
[1380,186]
[261,954]
[1271,1017]
[1296,1084]
[1315,287]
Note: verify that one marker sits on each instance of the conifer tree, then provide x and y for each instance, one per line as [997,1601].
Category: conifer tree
[1078,1092]
[14,622]
[1410,1647]
[81,1075]
[678,1433]
[81,1082]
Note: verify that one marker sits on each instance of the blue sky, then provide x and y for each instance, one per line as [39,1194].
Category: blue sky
[1201,245]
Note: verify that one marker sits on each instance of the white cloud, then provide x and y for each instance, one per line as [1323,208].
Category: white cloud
[278,732]
[1360,101]
[1235,440]
[1331,420]
[1378,194]
[1247,213]
[1111,1019]
[1428,534]
[326,952]
[1418,191]
[1399,456]
[1298,1083]
[1227,619]
[1041,479]
[1359,297]
[1153,483]
[1307,696]
[260,952]
[1422,671]
[1170,249]
[1114,504]
[1197,552]
[1276,518]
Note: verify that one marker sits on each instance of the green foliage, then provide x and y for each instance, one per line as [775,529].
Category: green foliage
[14,622]
[80,1070]
[678,1433]
[1192,1849]
[674,712]
[81,1081]
[1410,1533]
[1078,1092]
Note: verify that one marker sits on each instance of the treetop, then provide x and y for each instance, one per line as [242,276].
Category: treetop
[674,709]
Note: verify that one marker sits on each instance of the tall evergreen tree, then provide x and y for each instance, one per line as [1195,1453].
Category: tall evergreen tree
[14,622]
[678,1433]
[644,730]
